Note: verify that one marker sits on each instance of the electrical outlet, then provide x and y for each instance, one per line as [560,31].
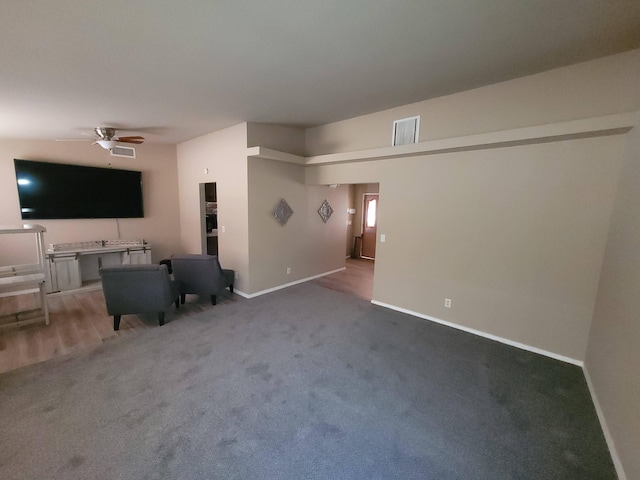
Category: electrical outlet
[383,238]
[237,275]
[223,229]
[447,302]
[288,270]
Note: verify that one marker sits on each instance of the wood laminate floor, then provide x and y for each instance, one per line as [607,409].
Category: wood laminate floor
[76,321]
[357,279]
[79,320]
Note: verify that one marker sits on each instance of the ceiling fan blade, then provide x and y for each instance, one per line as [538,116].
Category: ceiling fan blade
[134,139]
[74,139]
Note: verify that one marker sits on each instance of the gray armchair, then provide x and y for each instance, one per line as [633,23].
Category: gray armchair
[201,274]
[130,289]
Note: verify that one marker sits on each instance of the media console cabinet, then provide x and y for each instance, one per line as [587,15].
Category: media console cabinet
[74,265]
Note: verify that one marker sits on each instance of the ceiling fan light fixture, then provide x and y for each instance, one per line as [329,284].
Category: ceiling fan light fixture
[107,144]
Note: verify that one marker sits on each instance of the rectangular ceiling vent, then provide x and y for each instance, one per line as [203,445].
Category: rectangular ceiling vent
[120,151]
[406,131]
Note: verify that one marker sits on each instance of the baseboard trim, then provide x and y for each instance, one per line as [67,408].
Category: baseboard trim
[286,285]
[480,333]
[605,429]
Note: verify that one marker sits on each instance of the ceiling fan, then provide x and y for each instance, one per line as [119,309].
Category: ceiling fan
[106,138]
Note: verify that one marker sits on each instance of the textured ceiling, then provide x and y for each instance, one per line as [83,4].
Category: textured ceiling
[174,70]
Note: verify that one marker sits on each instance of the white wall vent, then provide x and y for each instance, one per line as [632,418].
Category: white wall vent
[120,151]
[406,131]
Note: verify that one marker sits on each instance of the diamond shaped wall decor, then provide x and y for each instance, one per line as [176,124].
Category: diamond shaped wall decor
[325,211]
[282,212]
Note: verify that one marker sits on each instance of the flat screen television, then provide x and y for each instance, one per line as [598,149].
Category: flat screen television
[56,191]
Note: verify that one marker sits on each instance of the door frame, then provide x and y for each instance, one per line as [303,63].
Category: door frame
[362,220]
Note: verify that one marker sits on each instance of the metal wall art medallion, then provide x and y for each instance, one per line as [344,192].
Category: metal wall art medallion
[325,211]
[282,212]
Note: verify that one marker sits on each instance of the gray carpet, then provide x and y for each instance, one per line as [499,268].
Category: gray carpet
[304,383]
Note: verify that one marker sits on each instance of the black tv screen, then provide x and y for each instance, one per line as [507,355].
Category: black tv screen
[56,191]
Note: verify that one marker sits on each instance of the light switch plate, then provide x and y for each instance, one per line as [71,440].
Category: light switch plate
[383,238]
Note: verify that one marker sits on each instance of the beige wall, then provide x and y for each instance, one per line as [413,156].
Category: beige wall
[613,356]
[223,154]
[600,87]
[253,243]
[514,236]
[160,225]
[305,244]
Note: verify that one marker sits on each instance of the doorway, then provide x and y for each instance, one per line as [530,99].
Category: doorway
[356,220]
[209,218]
[357,278]
[369,225]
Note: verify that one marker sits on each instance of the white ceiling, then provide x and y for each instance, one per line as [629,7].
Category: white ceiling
[174,70]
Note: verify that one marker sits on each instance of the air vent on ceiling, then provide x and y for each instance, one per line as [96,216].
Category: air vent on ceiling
[120,151]
[406,131]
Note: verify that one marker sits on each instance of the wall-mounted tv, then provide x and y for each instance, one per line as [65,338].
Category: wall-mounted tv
[56,191]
